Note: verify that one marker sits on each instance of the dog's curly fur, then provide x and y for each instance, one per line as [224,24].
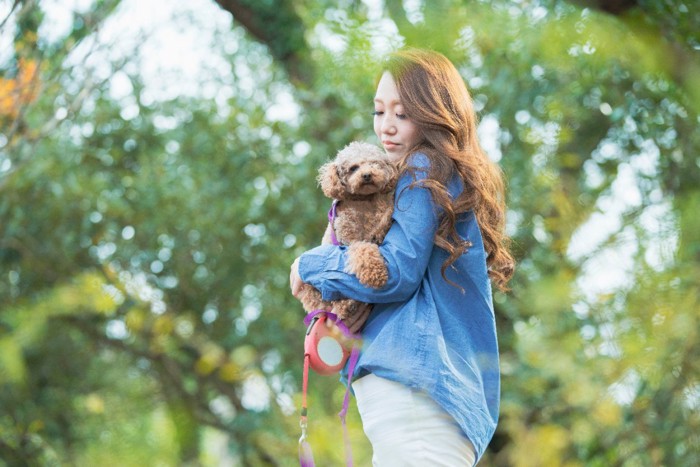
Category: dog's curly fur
[362,179]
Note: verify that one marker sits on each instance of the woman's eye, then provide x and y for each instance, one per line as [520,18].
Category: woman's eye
[401,116]
[353,168]
[377,112]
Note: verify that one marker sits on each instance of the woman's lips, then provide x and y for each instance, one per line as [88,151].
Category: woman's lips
[389,144]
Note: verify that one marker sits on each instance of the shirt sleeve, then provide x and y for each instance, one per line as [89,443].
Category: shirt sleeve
[406,250]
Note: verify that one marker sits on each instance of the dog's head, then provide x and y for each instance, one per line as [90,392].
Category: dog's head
[359,169]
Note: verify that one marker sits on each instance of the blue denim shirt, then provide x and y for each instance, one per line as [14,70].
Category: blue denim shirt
[424,332]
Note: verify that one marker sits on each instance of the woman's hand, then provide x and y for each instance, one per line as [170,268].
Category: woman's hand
[295,281]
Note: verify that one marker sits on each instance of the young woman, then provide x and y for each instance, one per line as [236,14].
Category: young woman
[428,379]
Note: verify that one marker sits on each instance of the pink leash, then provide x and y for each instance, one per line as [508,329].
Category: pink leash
[306,458]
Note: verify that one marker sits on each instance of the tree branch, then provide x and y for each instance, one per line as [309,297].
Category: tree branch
[9,14]
[280,28]
[614,7]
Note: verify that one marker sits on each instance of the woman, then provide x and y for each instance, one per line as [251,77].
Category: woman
[428,380]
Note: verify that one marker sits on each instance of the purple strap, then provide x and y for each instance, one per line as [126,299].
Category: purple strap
[333,317]
[354,355]
[332,214]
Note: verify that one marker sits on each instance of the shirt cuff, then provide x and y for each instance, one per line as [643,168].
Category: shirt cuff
[314,268]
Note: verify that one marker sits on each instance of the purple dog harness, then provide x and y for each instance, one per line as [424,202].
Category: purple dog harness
[332,214]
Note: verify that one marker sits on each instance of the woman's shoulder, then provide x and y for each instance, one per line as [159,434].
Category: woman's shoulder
[419,164]
[414,169]
[417,161]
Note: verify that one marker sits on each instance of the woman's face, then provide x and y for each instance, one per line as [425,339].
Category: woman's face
[394,129]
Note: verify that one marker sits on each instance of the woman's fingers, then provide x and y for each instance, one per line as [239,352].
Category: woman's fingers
[295,281]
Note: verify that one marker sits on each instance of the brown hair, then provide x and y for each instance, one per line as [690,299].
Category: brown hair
[435,97]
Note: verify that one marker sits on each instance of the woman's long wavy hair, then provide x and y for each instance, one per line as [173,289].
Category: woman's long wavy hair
[435,97]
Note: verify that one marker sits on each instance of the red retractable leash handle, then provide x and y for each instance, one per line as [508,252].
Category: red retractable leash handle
[326,350]
[326,344]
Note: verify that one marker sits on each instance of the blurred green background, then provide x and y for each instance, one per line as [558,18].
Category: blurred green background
[157,178]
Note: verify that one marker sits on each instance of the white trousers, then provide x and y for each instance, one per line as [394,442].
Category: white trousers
[407,427]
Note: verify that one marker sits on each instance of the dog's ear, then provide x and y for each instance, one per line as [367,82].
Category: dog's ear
[392,175]
[330,181]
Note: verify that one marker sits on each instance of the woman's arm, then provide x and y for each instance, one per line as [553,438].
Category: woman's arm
[406,250]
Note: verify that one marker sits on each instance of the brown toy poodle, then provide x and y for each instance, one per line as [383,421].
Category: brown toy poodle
[361,180]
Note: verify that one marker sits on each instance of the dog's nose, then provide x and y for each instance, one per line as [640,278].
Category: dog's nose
[367,177]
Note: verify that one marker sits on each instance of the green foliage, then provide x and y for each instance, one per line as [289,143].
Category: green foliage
[145,316]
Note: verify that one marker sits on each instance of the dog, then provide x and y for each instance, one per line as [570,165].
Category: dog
[361,180]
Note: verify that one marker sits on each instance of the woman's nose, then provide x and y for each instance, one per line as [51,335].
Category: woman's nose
[388,125]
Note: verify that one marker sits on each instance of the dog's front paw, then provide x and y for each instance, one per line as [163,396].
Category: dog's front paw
[344,308]
[367,263]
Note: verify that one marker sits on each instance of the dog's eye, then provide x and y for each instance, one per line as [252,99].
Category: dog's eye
[353,168]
